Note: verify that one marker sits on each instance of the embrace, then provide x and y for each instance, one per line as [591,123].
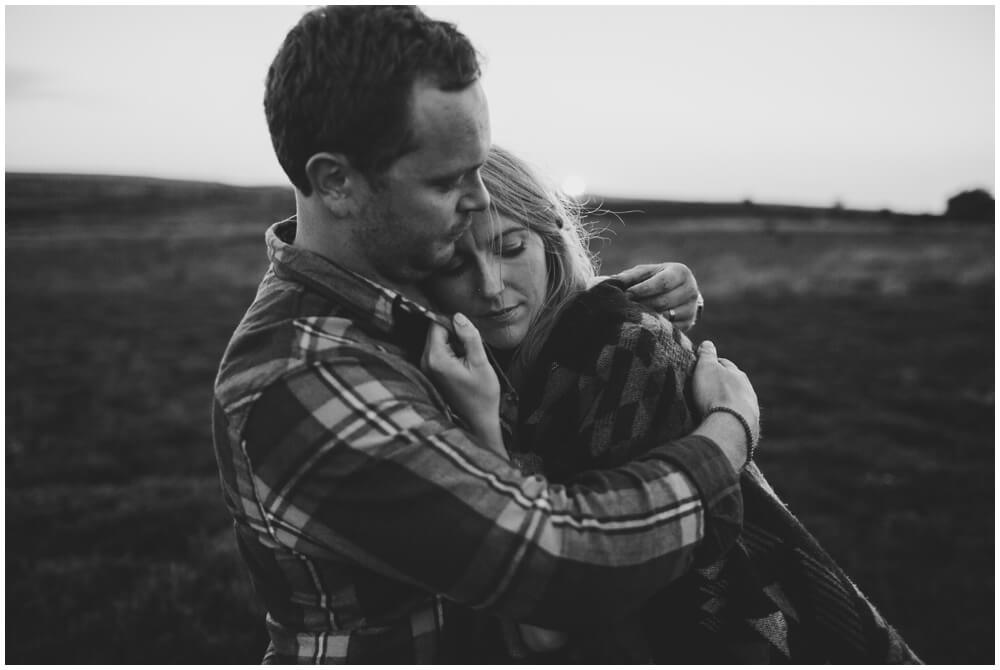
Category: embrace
[442,438]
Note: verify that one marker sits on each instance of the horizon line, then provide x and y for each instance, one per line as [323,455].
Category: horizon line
[840,205]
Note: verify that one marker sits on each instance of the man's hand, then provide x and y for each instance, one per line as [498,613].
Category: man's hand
[719,383]
[668,288]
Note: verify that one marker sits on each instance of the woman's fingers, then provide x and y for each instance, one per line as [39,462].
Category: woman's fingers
[682,317]
[647,281]
[664,291]
[678,304]
[467,334]
[439,355]
[636,275]
[436,348]
[668,288]
[682,300]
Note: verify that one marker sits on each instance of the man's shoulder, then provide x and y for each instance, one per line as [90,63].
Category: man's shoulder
[282,338]
[330,338]
[336,346]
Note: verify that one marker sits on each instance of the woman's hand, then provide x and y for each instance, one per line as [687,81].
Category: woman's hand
[468,382]
[719,383]
[668,288]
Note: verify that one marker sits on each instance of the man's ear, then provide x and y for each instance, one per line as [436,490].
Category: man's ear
[334,181]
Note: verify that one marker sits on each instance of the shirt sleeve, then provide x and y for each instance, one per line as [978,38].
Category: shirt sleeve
[352,460]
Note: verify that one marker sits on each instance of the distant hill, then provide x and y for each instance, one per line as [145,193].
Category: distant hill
[638,210]
[42,199]
[38,200]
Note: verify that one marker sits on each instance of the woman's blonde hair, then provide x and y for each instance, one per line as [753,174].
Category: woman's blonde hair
[517,193]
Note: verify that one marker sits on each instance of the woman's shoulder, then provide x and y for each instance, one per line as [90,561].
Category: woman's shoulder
[604,316]
[608,303]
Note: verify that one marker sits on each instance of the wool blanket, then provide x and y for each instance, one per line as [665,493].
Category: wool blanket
[612,380]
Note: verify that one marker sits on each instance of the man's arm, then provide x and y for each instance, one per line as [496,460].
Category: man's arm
[352,459]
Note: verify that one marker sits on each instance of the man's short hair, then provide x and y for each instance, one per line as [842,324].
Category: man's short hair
[342,79]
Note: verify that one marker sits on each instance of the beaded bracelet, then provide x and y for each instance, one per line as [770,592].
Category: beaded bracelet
[751,445]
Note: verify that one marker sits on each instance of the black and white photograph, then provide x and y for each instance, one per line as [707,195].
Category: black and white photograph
[508,334]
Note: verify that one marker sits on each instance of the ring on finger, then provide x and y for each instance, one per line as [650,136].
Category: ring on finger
[672,314]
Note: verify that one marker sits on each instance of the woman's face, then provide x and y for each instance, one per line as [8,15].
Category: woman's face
[497,278]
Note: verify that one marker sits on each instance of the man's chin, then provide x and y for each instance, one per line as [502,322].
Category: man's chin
[440,260]
[416,273]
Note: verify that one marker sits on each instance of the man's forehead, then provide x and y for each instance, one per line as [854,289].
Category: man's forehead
[451,126]
[428,99]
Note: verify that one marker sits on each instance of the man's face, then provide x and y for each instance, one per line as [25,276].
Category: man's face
[416,211]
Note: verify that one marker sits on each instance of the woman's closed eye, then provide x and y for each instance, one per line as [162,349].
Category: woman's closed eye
[459,263]
[513,249]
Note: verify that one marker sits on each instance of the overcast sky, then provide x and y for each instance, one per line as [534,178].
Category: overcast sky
[869,106]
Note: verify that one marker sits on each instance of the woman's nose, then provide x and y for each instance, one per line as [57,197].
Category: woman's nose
[491,283]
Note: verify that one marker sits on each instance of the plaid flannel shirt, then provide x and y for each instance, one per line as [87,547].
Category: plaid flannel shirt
[376,531]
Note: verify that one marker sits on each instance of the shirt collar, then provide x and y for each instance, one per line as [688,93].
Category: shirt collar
[387,310]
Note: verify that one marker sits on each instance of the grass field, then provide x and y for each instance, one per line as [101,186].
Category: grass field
[872,355]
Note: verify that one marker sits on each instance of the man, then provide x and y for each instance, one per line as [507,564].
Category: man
[373,527]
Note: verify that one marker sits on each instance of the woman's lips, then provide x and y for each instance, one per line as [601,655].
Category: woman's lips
[501,315]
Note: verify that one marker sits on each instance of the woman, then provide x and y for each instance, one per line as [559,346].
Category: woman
[594,368]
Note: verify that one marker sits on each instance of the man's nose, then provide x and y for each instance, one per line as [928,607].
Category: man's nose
[477,198]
